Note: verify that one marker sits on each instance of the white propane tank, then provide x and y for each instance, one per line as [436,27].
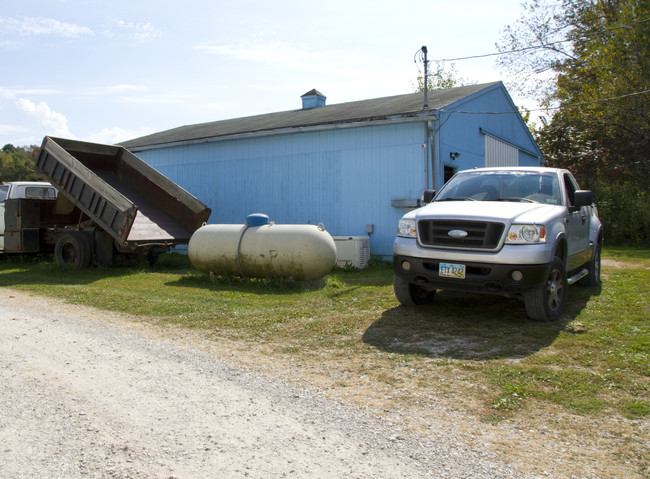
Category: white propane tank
[260,249]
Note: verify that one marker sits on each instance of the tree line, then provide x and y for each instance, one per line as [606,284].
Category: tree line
[17,163]
[587,62]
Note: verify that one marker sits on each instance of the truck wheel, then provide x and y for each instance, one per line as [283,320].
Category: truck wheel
[593,278]
[411,294]
[546,303]
[72,250]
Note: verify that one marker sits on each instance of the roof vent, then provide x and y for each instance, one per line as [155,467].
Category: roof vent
[313,99]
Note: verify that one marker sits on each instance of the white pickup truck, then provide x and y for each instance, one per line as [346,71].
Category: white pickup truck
[22,190]
[516,231]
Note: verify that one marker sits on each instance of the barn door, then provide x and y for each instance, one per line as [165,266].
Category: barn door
[498,153]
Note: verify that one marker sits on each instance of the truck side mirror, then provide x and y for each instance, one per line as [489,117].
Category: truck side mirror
[583,198]
[427,195]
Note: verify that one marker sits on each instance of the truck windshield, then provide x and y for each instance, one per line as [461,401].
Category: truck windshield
[526,186]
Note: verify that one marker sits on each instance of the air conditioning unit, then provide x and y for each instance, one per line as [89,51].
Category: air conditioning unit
[352,251]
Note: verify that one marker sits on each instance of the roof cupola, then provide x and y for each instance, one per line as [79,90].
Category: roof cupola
[313,99]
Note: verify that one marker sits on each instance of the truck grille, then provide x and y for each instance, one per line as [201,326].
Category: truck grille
[480,234]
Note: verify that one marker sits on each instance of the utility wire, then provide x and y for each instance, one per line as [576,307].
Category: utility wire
[543,45]
[602,100]
[486,55]
[571,105]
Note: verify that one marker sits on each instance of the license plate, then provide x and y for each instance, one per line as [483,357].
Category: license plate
[449,270]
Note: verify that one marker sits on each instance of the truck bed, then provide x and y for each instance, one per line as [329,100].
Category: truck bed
[151,223]
[127,198]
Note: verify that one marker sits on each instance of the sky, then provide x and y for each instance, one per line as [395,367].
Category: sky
[112,70]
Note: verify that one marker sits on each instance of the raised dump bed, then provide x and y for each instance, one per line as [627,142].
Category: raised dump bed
[119,195]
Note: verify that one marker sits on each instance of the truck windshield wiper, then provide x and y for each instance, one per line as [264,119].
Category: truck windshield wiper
[521,200]
[458,198]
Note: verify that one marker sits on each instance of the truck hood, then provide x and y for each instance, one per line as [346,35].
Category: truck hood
[498,211]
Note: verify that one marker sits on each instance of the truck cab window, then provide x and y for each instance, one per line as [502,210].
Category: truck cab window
[40,192]
[4,189]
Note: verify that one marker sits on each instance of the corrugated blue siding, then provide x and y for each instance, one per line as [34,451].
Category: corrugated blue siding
[343,178]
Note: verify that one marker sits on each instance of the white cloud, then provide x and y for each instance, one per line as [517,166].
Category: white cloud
[32,26]
[288,55]
[138,31]
[114,89]
[11,93]
[111,136]
[51,122]
[163,99]
[210,106]
[10,44]
[6,130]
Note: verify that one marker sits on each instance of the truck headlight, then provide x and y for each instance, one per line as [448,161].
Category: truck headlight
[406,228]
[526,234]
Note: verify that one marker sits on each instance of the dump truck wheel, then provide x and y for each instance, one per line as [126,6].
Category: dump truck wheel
[72,250]
[152,258]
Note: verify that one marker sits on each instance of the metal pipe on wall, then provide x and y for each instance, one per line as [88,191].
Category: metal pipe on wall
[431,139]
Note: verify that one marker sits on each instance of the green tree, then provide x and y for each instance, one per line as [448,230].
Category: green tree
[17,163]
[440,79]
[589,63]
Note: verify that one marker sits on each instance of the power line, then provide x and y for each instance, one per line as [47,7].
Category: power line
[543,45]
[571,105]
[602,100]
[486,55]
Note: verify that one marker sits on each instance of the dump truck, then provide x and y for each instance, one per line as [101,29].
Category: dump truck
[108,204]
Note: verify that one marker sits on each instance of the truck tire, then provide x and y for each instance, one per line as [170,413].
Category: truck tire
[411,294]
[593,278]
[72,250]
[546,303]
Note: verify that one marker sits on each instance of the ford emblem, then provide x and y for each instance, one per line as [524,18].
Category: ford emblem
[457,234]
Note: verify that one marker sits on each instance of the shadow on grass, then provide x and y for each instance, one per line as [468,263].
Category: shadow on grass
[351,278]
[272,285]
[38,270]
[471,327]
[379,274]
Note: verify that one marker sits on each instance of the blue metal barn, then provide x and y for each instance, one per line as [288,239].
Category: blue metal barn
[355,167]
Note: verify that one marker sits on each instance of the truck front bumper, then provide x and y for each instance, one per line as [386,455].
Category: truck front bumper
[479,277]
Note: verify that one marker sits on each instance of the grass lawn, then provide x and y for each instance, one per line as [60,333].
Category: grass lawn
[476,355]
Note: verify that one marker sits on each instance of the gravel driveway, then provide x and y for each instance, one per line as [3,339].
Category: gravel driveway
[92,394]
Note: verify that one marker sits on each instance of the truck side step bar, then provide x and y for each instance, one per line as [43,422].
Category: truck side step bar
[578,276]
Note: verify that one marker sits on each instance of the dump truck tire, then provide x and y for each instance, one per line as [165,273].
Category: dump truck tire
[72,250]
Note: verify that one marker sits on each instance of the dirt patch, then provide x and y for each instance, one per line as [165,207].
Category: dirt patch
[617,264]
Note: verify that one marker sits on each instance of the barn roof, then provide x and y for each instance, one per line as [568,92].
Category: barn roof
[354,112]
